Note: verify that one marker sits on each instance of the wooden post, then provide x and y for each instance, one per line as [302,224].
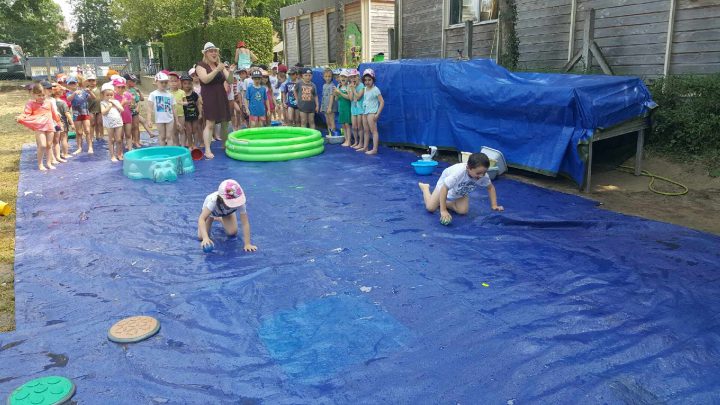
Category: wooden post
[639,151]
[588,38]
[669,41]
[340,16]
[588,169]
[47,64]
[571,36]
[312,41]
[468,39]
[392,46]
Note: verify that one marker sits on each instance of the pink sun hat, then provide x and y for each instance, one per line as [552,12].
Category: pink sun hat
[231,193]
[119,81]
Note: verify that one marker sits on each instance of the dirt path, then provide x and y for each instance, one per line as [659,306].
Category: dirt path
[623,192]
[12,136]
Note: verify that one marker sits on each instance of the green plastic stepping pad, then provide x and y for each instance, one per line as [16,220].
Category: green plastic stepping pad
[43,391]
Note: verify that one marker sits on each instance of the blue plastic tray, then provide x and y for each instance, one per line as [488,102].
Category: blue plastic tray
[158,163]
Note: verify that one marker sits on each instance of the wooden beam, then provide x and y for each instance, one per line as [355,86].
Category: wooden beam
[468,39]
[312,41]
[588,38]
[391,44]
[597,53]
[443,25]
[639,151]
[399,16]
[568,66]
[669,41]
[571,34]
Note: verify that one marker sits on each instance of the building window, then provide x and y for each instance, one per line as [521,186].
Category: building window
[473,10]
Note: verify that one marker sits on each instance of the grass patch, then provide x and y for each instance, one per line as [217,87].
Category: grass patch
[12,137]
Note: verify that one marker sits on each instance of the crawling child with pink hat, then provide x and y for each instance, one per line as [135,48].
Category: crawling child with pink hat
[224,205]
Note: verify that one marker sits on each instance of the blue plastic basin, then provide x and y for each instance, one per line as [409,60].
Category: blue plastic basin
[424,167]
[158,163]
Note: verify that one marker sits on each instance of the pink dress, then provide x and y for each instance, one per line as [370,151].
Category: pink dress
[271,99]
[39,116]
[126,114]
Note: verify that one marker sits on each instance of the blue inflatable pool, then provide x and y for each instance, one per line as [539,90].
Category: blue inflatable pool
[158,163]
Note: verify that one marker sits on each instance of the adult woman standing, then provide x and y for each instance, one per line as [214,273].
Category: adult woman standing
[243,56]
[213,73]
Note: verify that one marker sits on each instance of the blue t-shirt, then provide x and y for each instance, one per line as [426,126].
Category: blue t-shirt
[80,102]
[256,97]
[289,89]
[356,107]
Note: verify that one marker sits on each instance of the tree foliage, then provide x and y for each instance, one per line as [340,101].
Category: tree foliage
[183,48]
[100,29]
[146,20]
[35,25]
[149,20]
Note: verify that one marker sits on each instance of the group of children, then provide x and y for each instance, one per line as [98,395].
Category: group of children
[76,104]
[357,104]
[259,97]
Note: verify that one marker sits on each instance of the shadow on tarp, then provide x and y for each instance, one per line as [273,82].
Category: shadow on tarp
[356,295]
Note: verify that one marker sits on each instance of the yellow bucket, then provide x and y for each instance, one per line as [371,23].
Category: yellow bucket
[4,208]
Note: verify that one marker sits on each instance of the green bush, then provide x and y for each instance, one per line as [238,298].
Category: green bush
[687,120]
[184,48]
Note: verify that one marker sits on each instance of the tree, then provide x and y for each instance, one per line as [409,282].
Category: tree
[149,20]
[265,8]
[100,29]
[35,25]
[208,11]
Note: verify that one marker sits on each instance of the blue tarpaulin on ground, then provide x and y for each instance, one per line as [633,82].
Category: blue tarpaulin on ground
[537,120]
[357,295]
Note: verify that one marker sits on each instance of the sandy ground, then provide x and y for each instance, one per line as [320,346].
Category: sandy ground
[613,189]
[623,192]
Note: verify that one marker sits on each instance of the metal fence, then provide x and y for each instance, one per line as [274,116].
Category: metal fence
[42,67]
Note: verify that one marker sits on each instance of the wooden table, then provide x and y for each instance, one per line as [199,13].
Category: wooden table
[639,125]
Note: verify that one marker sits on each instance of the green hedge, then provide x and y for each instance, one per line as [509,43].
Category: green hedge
[687,120]
[184,48]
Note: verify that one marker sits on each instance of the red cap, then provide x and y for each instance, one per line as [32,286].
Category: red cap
[176,74]
[240,44]
[282,69]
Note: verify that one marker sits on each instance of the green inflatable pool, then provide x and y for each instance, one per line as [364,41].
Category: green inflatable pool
[274,144]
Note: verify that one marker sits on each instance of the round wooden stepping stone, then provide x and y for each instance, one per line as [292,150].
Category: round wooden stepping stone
[50,390]
[133,329]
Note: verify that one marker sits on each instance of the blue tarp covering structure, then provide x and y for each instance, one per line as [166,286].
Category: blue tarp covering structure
[357,295]
[537,120]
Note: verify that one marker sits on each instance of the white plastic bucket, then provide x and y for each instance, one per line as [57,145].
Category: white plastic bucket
[497,156]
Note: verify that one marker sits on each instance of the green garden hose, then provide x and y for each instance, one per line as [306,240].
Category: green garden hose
[628,169]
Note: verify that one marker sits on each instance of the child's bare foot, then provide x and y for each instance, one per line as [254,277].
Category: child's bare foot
[51,167]
[42,168]
[345,144]
[61,160]
[121,157]
[77,151]
[113,159]
[361,149]
[209,155]
[371,152]
[424,187]
[90,151]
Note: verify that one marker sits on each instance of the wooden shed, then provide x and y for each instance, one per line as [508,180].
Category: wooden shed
[312,36]
[647,38]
